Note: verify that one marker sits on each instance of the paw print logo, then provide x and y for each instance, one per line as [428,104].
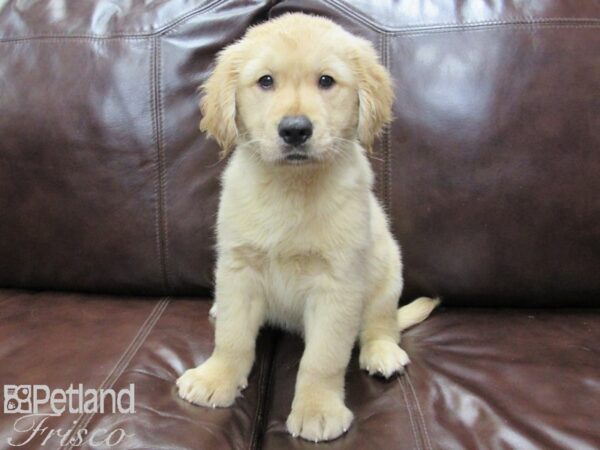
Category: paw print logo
[11,405]
[17,399]
[23,393]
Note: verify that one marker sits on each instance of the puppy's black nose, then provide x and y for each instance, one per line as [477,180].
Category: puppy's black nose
[295,130]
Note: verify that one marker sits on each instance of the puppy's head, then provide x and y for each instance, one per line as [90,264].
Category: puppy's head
[295,90]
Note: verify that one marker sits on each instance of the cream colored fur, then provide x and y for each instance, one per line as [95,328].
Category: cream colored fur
[306,247]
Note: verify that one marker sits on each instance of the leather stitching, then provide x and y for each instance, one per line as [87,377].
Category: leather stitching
[426,439]
[164,29]
[410,414]
[163,178]
[140,337]
[508,26]
[408,32]
[388,142]
[160,219]
[183,18]
[155,137]
[383,164]
[378,160]
[358,16]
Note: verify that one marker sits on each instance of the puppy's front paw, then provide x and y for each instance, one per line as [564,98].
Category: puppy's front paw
[211,384]
[383,358]
[319,420]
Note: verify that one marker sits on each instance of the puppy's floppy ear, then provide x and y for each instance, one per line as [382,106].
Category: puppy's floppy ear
[375,94]
[218,99]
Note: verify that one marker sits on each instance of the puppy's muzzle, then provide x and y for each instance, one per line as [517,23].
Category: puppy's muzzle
[295,130]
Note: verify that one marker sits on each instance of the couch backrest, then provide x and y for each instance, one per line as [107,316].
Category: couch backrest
[490,171]
[106,184]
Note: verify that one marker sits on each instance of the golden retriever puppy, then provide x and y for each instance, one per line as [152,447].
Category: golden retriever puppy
[302,241]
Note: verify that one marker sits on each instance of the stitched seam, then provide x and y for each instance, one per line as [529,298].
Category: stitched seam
[59,40]
[566,23]
[404,33]
[263,391]
[72,37]
[383,161]
[166,28]
[410,414]
[159,187]
[175,23]
[163,177]
[388,142]
[155,138]
[358,16]
[515,26]
[420,411]
[379,153]
[84,419]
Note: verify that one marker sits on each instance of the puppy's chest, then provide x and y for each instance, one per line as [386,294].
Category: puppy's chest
[285,228]
[300,232]
[281,266]
[286,279]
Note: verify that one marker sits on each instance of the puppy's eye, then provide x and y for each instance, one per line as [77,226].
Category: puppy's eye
[325,82]
[265,82]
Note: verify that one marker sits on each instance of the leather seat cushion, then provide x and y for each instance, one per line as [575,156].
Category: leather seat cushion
[479,378]
[60,339]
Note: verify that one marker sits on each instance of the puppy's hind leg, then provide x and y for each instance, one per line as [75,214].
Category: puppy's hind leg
[382,324]
[380,333]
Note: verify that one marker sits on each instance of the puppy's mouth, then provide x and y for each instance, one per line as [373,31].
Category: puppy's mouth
[296,158]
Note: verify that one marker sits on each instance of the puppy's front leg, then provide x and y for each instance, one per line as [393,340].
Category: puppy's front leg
[218,380]
[331,322]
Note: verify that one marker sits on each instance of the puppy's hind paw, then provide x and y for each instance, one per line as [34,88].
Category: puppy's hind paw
[385,358]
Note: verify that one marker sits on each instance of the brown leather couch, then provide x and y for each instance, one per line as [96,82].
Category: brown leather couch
[490,173]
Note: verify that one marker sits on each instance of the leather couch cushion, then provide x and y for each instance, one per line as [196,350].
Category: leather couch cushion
[106,184]
[109,342]
[478,378]
[493,379]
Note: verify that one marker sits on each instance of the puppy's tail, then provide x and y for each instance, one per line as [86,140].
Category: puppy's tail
[416,311]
